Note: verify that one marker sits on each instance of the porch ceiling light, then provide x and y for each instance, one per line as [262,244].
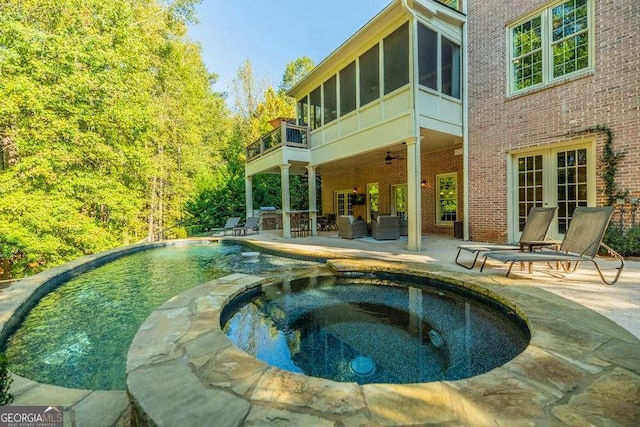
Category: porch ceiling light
[355,190]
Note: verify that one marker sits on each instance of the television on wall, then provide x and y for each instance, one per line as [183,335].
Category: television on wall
[358,199]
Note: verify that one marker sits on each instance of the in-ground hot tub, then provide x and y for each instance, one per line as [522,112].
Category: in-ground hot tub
[375,329]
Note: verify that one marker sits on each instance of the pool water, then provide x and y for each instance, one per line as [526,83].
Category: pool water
[78,335]
[372,330]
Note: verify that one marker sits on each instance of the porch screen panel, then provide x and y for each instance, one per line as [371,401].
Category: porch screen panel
[428,57]
[369,75]
[315,108]
[530,186]
[396,59]
[348,89]
[330,100]
[303,112]
[450,68]
[572,184]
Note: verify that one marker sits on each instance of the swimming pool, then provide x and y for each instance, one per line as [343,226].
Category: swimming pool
[375,329]
[78,335]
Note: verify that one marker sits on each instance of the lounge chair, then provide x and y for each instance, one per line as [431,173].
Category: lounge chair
[251,224]
[385,227]
[350,228]
[534,234]
[231,223]
[581,243]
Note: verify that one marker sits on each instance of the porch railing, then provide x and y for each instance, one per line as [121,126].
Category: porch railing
[291,135]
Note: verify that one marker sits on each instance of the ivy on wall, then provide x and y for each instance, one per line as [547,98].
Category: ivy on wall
[608,164]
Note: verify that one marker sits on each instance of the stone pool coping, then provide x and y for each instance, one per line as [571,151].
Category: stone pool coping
[580,368]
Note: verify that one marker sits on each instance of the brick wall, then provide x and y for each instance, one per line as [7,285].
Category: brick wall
[608,96]
[395,174]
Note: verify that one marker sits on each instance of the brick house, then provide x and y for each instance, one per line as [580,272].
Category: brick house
[463,115]
[531,108]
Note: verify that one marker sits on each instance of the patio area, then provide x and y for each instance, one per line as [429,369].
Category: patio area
[620,302]
[580,369]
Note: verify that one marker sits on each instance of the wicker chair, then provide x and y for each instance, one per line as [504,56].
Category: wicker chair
[350,228]
[386,227]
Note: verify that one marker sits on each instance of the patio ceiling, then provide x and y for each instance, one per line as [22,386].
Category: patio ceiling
[432,141]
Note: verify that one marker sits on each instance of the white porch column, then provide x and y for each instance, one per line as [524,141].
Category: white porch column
[248,194]
[313,214]
[286,201]
[414,202]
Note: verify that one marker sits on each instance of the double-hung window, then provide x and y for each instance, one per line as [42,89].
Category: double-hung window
[550,45]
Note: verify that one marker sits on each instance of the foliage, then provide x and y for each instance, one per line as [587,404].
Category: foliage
[624,241]
[221,194]
[609,167]
[608,163]
[109,117]
[294,72]
[5,382]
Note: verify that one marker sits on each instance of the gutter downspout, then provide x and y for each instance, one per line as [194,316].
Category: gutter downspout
[465,129]
[414,176]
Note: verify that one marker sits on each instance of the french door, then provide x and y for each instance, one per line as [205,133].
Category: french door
[563,176]
[343,202]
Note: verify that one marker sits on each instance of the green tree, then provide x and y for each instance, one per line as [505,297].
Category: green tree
[294,71]
[5,381]
[220,193]
[107,118]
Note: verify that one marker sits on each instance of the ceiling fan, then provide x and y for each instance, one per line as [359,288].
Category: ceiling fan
[390,158]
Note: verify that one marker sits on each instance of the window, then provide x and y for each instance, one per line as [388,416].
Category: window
[450,68]
[447,198]
[550,45]
[330,100]
[315,108]
[399,200]
[373,200]
[530,186]
[396,59]
[348,89]
[370,76]
[428,57]
[572,184]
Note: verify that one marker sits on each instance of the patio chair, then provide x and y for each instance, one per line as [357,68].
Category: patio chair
[385,227]
[251,224]
[351,228]
[581,243]
[231,223]
[534,234]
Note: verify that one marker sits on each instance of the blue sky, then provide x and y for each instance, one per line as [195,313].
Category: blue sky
[271,33]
